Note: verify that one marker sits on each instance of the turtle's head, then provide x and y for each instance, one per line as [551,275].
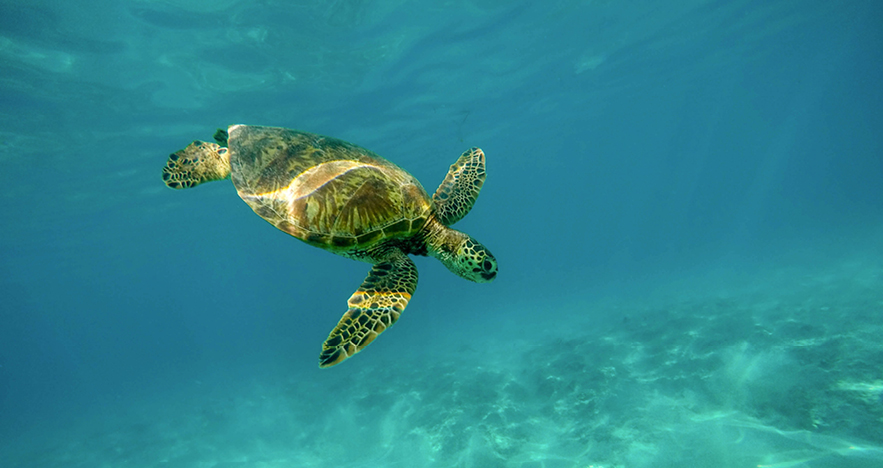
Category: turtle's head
[463,255]
[475,262]
[197,163]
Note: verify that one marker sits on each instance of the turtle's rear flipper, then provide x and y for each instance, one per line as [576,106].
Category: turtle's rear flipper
[373,308]
[197,163]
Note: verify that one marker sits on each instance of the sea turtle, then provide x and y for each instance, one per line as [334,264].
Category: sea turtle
[347,200]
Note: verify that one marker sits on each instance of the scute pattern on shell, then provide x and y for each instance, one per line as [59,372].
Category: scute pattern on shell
[322,190]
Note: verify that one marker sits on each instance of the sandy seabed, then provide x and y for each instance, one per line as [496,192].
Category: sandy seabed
[782,372]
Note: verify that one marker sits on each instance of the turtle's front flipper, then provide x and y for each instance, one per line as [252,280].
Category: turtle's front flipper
[221,137]
[458,192]
[373,308]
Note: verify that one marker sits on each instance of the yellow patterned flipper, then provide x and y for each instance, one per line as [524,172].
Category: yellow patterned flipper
[458,192]
[373,308]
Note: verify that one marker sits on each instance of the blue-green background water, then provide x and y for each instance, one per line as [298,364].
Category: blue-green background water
[685,199]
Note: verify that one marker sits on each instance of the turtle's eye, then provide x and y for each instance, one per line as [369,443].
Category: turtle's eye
[488,267]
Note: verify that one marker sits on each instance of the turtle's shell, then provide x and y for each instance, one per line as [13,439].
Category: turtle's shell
[324,191]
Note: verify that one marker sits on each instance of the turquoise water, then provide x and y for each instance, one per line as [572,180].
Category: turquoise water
[684,198]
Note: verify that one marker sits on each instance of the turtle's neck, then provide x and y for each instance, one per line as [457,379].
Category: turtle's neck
[441,241]
[458,252]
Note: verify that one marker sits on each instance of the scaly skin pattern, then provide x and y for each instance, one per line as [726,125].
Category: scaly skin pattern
[199,162]
[458,192]
[373,308]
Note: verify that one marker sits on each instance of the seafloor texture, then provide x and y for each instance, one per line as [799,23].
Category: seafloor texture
[782,371]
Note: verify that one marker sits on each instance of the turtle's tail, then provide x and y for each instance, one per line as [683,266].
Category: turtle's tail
[197,163]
